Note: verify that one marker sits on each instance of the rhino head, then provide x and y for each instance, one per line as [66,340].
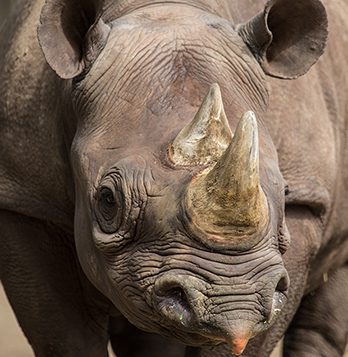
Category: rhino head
[179,215]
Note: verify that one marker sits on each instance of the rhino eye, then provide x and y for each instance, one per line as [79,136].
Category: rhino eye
[109,208]
[107,197]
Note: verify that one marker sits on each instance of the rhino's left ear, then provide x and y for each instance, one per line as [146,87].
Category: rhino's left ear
[288,37]
[71,34]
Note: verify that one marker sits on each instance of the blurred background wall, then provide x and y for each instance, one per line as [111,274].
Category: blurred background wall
[4,8]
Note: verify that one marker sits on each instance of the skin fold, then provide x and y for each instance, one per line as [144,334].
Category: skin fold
[105,233]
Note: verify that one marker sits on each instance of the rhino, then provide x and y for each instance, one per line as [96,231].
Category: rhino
[173,176]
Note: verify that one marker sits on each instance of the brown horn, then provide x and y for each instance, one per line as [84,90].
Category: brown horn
[206,137]
[228,201]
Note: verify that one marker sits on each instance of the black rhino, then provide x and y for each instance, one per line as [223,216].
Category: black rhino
[156,159]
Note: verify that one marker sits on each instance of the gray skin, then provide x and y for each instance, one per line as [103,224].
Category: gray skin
[104,117]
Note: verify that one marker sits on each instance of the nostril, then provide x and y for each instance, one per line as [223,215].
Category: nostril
[175,294]
[179,294]
[173,301]
[279,297]
[283,285]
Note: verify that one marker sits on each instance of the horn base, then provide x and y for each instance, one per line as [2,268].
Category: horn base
[238,226]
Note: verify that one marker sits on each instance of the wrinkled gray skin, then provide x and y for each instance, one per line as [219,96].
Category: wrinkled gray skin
[129,87]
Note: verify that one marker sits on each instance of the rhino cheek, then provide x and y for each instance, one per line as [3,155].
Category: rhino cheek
[91,260]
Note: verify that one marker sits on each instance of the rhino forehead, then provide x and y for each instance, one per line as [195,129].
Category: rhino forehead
[164,56]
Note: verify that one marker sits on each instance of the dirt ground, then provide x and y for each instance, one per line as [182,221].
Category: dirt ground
[12,341]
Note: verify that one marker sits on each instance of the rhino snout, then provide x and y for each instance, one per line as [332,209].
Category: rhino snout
[181,303]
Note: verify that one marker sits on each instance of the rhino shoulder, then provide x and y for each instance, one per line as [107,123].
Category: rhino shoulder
[34,174]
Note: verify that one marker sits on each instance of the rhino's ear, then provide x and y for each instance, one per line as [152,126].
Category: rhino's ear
[288,37]
[71,34]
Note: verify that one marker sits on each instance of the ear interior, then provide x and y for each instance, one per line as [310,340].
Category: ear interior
[288,37]
[299,30]
[62,33]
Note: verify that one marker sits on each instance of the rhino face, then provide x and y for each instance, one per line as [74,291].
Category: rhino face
[163,272]
[179,215]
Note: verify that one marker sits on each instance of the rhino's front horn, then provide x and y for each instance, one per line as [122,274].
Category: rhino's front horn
[227,203]
[206,137]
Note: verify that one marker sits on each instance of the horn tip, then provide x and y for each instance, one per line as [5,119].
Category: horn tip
[215,86]
[249,115]
[215,90]
[249,120]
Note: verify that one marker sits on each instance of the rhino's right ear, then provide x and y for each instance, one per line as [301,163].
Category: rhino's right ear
[71,34]
[287,37]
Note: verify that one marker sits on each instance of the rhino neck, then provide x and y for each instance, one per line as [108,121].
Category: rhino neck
[113,10]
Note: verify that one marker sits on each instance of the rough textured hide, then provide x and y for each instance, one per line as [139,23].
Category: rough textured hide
[96,217]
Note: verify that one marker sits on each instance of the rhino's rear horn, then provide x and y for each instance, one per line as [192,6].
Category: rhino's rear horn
[206,137]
